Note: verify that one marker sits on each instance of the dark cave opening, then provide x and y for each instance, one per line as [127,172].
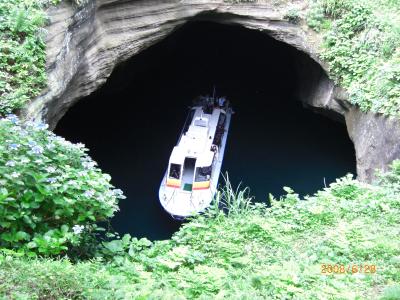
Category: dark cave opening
[133,121]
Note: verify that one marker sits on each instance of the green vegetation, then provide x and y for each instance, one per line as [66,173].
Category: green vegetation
[22,52]
[249,252]
[50,189]
[362,47]
[293,16]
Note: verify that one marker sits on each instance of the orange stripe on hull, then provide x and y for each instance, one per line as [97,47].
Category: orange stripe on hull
[174,186]
[203,185]
[200,188]
[175,183]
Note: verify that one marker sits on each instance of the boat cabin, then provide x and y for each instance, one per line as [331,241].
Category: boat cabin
[191,161]
[190,172]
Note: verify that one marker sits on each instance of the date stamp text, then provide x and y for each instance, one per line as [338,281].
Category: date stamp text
[348,269]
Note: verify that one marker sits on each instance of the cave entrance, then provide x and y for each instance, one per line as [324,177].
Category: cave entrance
[133,121]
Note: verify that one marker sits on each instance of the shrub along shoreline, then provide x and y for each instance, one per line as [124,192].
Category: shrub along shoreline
[249,252]
[50,189]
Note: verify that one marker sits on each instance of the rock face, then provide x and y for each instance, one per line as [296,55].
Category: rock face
[376,139]
[85,44]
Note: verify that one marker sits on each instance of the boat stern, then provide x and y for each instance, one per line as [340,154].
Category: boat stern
[181,203]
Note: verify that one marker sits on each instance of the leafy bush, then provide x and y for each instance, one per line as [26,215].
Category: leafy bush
[391,293]
[362,41]
[293,16]
[50,189]
[22,52]
[56,279]
[335,8]
[316,17]
[391,179]
[118,249]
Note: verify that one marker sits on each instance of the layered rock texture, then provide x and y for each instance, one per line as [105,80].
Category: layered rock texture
[85,44]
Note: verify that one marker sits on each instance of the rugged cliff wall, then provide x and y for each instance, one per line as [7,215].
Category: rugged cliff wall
[86,43]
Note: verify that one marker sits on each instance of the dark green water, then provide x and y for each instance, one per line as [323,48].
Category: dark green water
[132,123]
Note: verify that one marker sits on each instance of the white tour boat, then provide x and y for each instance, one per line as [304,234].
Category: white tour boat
[191,179]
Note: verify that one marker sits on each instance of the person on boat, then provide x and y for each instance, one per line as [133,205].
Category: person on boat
[221,102]
[208,105]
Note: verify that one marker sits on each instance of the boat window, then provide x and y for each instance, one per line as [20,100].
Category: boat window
[203,173]
[188,121]
[200,122]
[175,171]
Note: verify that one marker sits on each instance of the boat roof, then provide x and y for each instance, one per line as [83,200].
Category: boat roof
[197,140]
